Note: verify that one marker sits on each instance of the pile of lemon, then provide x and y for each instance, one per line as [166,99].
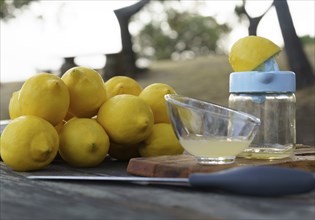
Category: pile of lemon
[84,119]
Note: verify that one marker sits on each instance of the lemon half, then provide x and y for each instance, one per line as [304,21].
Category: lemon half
[250,52]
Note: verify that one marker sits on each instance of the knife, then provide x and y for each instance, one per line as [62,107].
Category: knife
[247,180]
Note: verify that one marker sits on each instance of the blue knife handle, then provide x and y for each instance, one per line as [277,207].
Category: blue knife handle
[257,181]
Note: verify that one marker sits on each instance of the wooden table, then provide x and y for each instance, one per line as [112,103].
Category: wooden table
[22,198]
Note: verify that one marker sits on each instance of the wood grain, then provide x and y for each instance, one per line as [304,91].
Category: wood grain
[25,199]
[183,165]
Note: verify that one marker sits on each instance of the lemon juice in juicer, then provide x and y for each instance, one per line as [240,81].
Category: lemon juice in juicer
[212,133]
[213,147]
[259,88]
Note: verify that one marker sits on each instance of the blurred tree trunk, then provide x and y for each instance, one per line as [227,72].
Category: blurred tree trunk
[297,59]
[124,63]
[68,63]
[253,21]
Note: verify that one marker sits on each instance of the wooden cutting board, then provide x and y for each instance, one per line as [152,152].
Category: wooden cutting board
[183,165]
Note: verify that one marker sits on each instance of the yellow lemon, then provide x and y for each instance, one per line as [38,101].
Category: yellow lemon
[14,106]
[250,52]
[126,118]
[83,142]
[122,85]
[29,143]
[162,141]
[44,95]
[154,96]
[87,91]
[123,152]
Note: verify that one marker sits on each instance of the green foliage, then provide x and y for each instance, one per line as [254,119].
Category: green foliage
[307,39]
[182,34]
[240,10]
[9,7]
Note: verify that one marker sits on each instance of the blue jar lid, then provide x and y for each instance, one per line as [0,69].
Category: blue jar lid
[256,81]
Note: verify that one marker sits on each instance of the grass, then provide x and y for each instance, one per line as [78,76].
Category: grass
[204,78]
[207,78]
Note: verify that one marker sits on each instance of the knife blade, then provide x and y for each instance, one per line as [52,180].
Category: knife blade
[247,180]
[145,180]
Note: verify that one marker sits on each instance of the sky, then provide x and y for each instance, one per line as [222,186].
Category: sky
[38,38]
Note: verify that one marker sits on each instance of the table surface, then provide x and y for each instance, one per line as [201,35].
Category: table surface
[22,198]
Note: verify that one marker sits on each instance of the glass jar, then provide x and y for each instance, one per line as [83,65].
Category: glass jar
[270,97]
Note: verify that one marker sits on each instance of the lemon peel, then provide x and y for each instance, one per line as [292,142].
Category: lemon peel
[14,106]
[87,92]
[29,143]
[162,141]
[44,95]
[122,85]
[83,142]
[123,151]
[154,94]
[126,118]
